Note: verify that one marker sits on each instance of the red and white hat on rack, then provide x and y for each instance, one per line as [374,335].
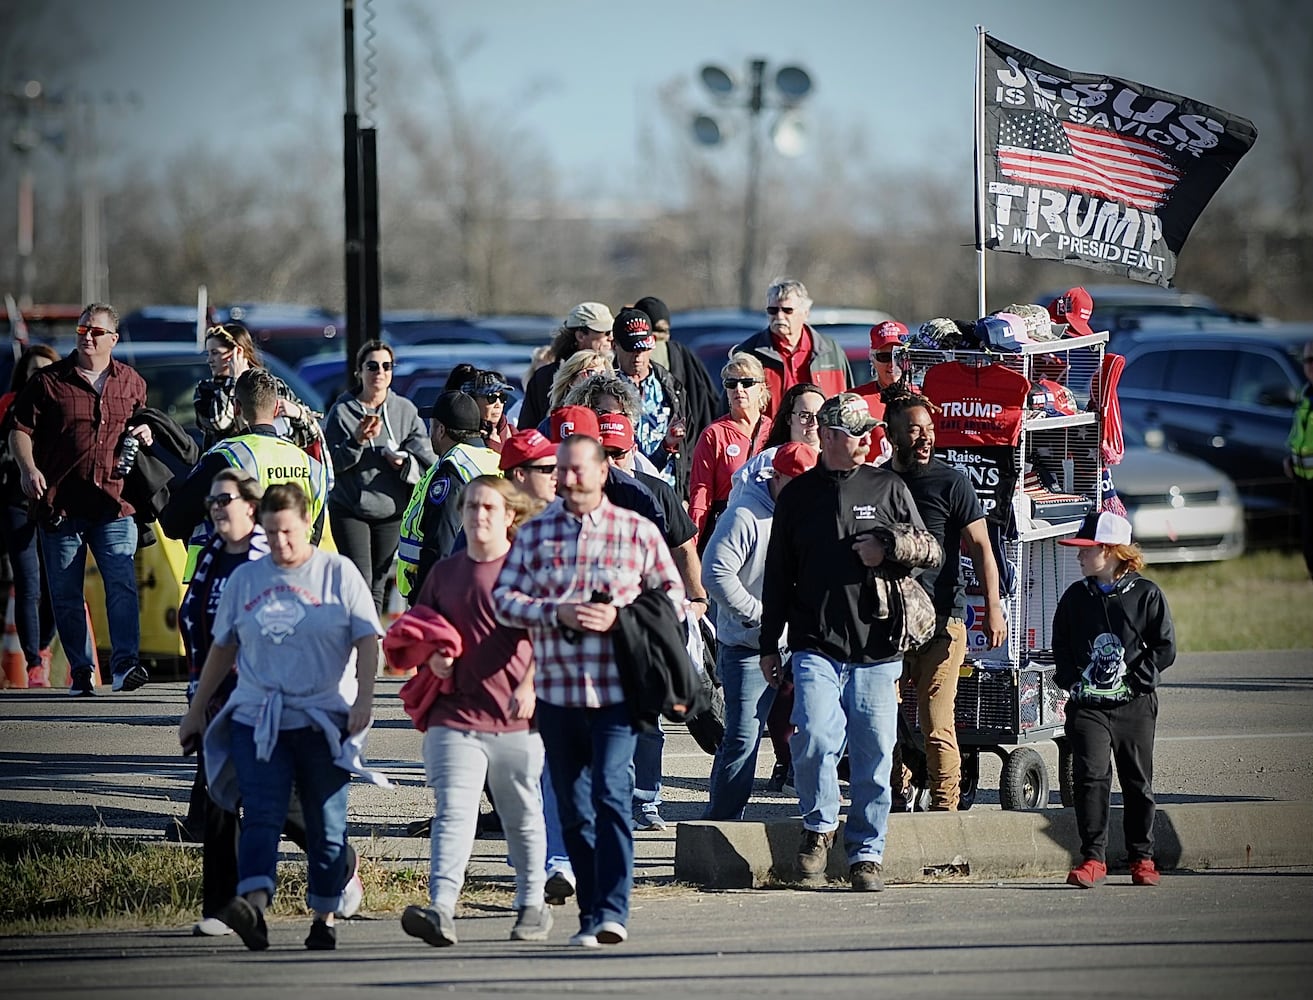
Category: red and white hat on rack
[1073,307]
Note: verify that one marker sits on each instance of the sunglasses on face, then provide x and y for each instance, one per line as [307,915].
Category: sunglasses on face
[546,470]
[96,332]
[221,499]
[884,357]
[805,417]
[776,310]
[494,397]
[378,366]
[739,383]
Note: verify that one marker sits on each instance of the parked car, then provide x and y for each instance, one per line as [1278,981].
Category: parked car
[53,325]
[422,370]
[289,332]
[1181,509]
[417,327]
[1133,306]
[163,323]
[171,372]
[1226,395]
[530,329]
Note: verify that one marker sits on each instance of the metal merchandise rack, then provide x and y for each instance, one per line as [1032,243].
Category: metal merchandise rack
[1006,696]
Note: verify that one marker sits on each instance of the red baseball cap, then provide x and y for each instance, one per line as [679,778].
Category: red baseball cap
[567,420]
[524,446]
[1073,307]
[616,431]
[794,458]
[888,334]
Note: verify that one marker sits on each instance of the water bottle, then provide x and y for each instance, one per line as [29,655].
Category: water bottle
[128,456]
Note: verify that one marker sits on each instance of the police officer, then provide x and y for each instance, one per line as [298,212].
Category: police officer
[431,521]
[259,451]
[1298,464]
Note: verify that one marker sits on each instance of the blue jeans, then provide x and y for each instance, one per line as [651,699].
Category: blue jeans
[589,752]
[33,616]
[647,772]
[301,757]
[558,858]
[114,544]
[857,700]
[748,700]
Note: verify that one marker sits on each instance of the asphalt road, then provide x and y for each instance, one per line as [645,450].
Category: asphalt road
[1217,934]
[1232,727]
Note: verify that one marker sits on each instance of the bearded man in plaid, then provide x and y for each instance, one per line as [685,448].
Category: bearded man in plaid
[567,573]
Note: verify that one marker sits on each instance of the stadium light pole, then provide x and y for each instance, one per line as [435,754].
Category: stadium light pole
[789,87]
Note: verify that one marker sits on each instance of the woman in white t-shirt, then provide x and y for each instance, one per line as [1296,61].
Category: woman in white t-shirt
[296,625]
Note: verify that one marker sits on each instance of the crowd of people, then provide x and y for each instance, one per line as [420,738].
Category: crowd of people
[805,523]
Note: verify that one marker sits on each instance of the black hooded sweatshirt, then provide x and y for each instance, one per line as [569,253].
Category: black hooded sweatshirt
[1091,630]
[814,581]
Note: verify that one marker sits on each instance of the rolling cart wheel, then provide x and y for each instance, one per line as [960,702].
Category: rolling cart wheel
[1024,783]
[970,780]
[1066,774]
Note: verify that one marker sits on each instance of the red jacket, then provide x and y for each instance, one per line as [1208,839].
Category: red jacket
[827,367]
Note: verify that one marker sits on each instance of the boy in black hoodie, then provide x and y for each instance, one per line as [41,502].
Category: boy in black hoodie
[1112,638]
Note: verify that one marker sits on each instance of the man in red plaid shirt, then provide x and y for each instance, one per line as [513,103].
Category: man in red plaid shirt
[568,571]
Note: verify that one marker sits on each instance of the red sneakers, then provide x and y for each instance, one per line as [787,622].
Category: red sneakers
[1088,874]
[1143,872]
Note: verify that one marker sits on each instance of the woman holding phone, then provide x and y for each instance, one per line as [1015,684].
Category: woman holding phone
[380,448]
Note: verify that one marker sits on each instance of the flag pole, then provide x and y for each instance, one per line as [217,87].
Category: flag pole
[980,170]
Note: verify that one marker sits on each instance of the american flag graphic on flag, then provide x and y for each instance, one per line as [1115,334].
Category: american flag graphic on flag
[1037,148]
[1092,169]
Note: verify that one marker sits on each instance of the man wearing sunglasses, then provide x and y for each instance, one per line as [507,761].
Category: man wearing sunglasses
[790,350]
[70,423]
[528,460]
[843,534]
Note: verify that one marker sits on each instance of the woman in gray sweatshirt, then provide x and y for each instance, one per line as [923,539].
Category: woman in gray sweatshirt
[733,569]
[380,448]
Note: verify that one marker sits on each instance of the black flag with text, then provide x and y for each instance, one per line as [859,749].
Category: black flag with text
[1098,171]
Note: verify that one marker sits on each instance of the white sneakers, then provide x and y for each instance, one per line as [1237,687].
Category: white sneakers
[210,927]
[607,932]
[611,932]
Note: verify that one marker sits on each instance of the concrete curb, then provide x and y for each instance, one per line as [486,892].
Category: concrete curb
[1001,844]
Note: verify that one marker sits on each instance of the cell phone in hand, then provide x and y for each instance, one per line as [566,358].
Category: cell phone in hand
[600,597]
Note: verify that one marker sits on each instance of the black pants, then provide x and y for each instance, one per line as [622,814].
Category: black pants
[1098,737]
[371,545]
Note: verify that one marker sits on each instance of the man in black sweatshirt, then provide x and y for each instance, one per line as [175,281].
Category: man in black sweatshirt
[843,533]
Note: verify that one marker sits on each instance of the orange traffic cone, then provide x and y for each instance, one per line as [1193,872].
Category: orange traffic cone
[14,662]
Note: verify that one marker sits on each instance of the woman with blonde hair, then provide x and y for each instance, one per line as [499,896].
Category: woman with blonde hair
[727,442]
[482,728]
[574,370]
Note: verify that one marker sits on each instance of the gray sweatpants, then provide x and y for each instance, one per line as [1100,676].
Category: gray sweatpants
[456,762]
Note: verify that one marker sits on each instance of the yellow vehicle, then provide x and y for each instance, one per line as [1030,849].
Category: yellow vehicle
[159,594]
